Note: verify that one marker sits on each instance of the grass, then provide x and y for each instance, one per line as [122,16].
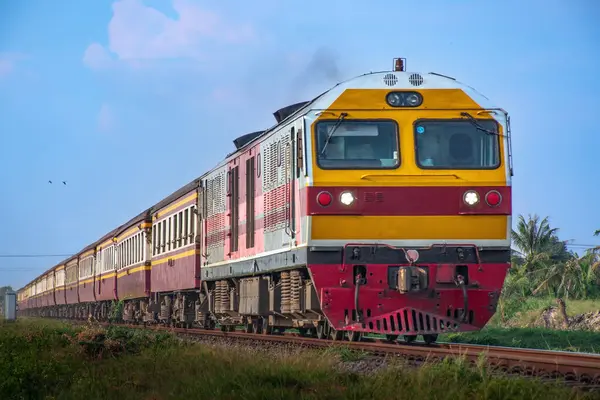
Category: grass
[47,359]
[525,313]
[517,324]
[530,338]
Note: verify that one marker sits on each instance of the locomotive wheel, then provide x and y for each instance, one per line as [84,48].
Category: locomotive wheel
[354,336]
[431,338]
[391,338]
[336,335]
[410,338]
[248,327]
[303,332]
[266,328]
[256,326]
[321,331]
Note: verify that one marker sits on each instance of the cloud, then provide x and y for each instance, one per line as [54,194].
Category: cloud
[106,118]
[138,32]
[97,57]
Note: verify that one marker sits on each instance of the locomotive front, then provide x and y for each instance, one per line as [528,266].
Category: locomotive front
[409,205]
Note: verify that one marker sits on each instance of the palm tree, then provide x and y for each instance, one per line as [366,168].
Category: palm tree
[537,245]
[595,261]
[571,279]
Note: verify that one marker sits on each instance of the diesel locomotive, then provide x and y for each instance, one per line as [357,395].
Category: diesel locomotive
[381,206]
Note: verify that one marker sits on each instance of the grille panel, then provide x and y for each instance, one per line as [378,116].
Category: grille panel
[409,322]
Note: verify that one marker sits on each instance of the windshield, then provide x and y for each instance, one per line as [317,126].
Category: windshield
[453,144]
[358,145]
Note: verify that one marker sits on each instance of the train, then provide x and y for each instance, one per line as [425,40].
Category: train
[382,206]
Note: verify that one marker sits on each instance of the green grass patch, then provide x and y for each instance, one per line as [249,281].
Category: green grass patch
[526,312]
[58,361]
[530,338]
[344,353]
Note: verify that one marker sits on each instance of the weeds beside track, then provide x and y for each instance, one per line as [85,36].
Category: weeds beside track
[578,369]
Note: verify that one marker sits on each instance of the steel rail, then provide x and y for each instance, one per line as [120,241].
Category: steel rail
[573,367]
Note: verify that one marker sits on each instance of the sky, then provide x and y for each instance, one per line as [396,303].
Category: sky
[129,100]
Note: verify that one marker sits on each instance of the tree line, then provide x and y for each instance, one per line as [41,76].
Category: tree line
[542,265]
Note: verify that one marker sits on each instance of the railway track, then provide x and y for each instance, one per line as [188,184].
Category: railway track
[574,369]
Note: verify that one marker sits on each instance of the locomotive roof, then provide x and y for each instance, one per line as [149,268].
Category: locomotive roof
[392,80]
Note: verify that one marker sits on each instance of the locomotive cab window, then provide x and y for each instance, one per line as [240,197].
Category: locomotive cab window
[354,144]
[456,144]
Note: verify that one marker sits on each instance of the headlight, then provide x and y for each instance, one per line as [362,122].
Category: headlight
[404,99]
[471,197]
[346,198]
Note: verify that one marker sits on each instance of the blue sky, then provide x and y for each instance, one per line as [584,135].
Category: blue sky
[129,100]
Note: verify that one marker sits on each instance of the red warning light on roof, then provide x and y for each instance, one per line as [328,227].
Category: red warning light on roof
[399,64]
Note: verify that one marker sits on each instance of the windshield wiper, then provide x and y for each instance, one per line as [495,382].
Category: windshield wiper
[337,124]
[476,124]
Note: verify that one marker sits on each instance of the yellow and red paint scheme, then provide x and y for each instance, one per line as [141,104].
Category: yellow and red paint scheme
[133,274]
[72,281]
[178,266]
[409,208]
[59,285]
[86,283]
[105,274]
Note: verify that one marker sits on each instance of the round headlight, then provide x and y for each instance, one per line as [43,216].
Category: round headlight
[394,99]
[413,99]
[347,198]
[471,197]
[404,99]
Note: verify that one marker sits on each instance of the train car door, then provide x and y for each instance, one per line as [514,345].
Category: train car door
[293,159]
[200,217]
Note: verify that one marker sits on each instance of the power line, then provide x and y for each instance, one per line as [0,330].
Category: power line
[26,269]
[33,255]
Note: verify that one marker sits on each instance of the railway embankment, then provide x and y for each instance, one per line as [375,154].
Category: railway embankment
[51,359]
